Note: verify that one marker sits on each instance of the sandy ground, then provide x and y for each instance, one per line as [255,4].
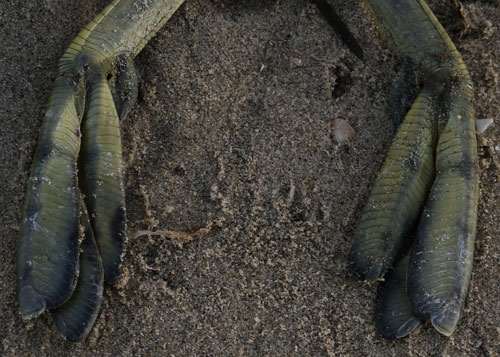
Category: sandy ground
[233,125]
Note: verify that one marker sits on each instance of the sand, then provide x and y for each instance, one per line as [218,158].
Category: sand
[233,126]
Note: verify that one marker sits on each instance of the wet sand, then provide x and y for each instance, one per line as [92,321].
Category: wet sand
[233,126]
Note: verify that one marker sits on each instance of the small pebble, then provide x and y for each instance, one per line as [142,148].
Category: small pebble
[341,130]
[483,124]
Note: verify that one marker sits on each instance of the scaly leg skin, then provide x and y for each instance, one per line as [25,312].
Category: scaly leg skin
[82,104]
[394,317]
[399,192]
[100,164]
[440,265]
[75,318]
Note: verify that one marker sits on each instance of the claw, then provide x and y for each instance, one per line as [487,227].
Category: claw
[338,25]
[393,314]
[47,262]
[440,120]
[403,91]
[75,318]
[399,194]
[48,255]
[440,123]
[123,85]
[101,172]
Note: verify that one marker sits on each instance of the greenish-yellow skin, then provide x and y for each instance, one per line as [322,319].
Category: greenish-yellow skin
[81,124]
[80,141]
[76,317]
[439,194]
[393,315]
